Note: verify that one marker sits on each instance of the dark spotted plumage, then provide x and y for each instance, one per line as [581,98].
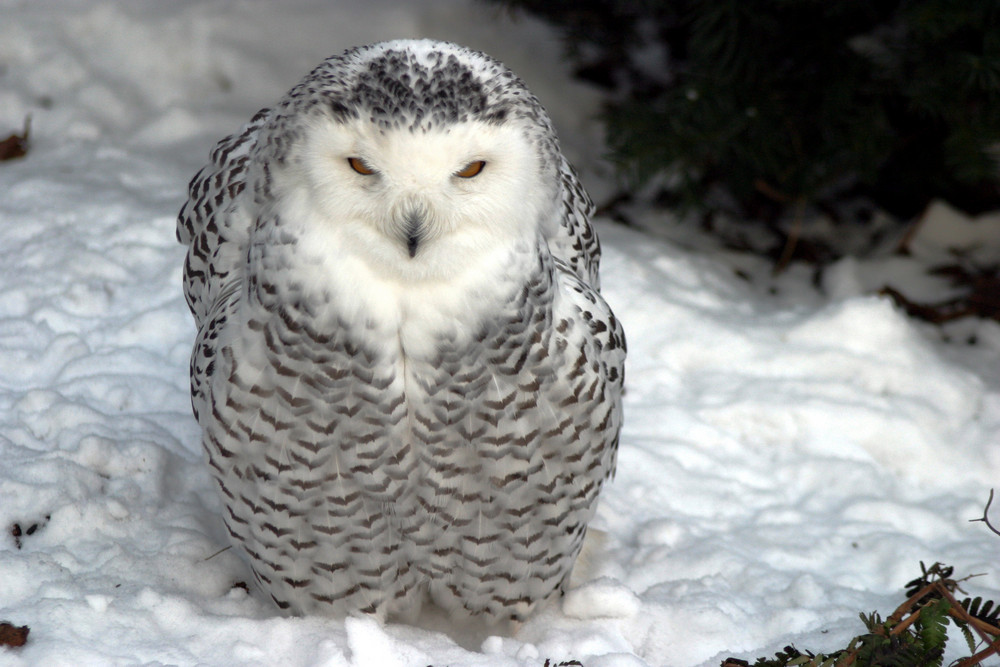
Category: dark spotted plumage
[389,418]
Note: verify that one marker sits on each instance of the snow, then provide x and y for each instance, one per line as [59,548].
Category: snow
[787,459]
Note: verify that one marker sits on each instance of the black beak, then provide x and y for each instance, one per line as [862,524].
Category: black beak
[414,222]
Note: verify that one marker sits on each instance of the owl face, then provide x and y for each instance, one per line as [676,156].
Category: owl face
[421,158]
[422,203]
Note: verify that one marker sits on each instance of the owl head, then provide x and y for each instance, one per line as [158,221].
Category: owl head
[420,157]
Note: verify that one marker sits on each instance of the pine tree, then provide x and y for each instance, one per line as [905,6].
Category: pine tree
[777,103]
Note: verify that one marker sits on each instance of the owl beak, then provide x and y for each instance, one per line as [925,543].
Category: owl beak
[414,231]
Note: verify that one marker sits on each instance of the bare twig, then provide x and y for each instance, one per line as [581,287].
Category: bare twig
[905,616]
[219,552]
[986,515]
[908,613]
[792,240]
[972,661]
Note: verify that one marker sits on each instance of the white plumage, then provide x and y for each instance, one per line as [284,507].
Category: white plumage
[407,380]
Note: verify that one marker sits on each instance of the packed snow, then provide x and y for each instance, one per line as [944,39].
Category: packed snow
[790,453]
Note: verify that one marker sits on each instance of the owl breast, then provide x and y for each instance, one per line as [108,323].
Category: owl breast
[366,468]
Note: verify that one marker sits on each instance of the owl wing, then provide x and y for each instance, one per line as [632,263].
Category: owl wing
[574,242]
[214,222]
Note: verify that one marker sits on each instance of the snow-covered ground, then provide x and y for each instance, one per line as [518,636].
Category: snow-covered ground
[787,458]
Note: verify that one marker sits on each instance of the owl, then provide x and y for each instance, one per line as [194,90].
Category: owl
[408,383]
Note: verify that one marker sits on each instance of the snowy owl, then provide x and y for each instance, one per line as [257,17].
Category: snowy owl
[408,383]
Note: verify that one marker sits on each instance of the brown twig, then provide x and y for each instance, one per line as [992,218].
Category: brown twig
[904,609]
[990,634]
[973,660]
[957,611]
[847,660]
[909,613]
[986,515]
[219,552]
[980,297]
[792,240]
[905,616]
[939,313]
[798,219]
[771,192]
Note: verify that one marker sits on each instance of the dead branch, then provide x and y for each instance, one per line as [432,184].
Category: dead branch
[986,515]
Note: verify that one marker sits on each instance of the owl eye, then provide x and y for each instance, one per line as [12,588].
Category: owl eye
[358,165]
[472,169]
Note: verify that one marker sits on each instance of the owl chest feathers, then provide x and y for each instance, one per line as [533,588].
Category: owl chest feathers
[479,358]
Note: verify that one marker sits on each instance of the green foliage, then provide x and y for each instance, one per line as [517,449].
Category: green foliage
[932,632]
[985,612]
[776,102]
[915,634]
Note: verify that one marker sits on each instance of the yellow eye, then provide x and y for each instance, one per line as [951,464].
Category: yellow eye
[358,165]
[471,169]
